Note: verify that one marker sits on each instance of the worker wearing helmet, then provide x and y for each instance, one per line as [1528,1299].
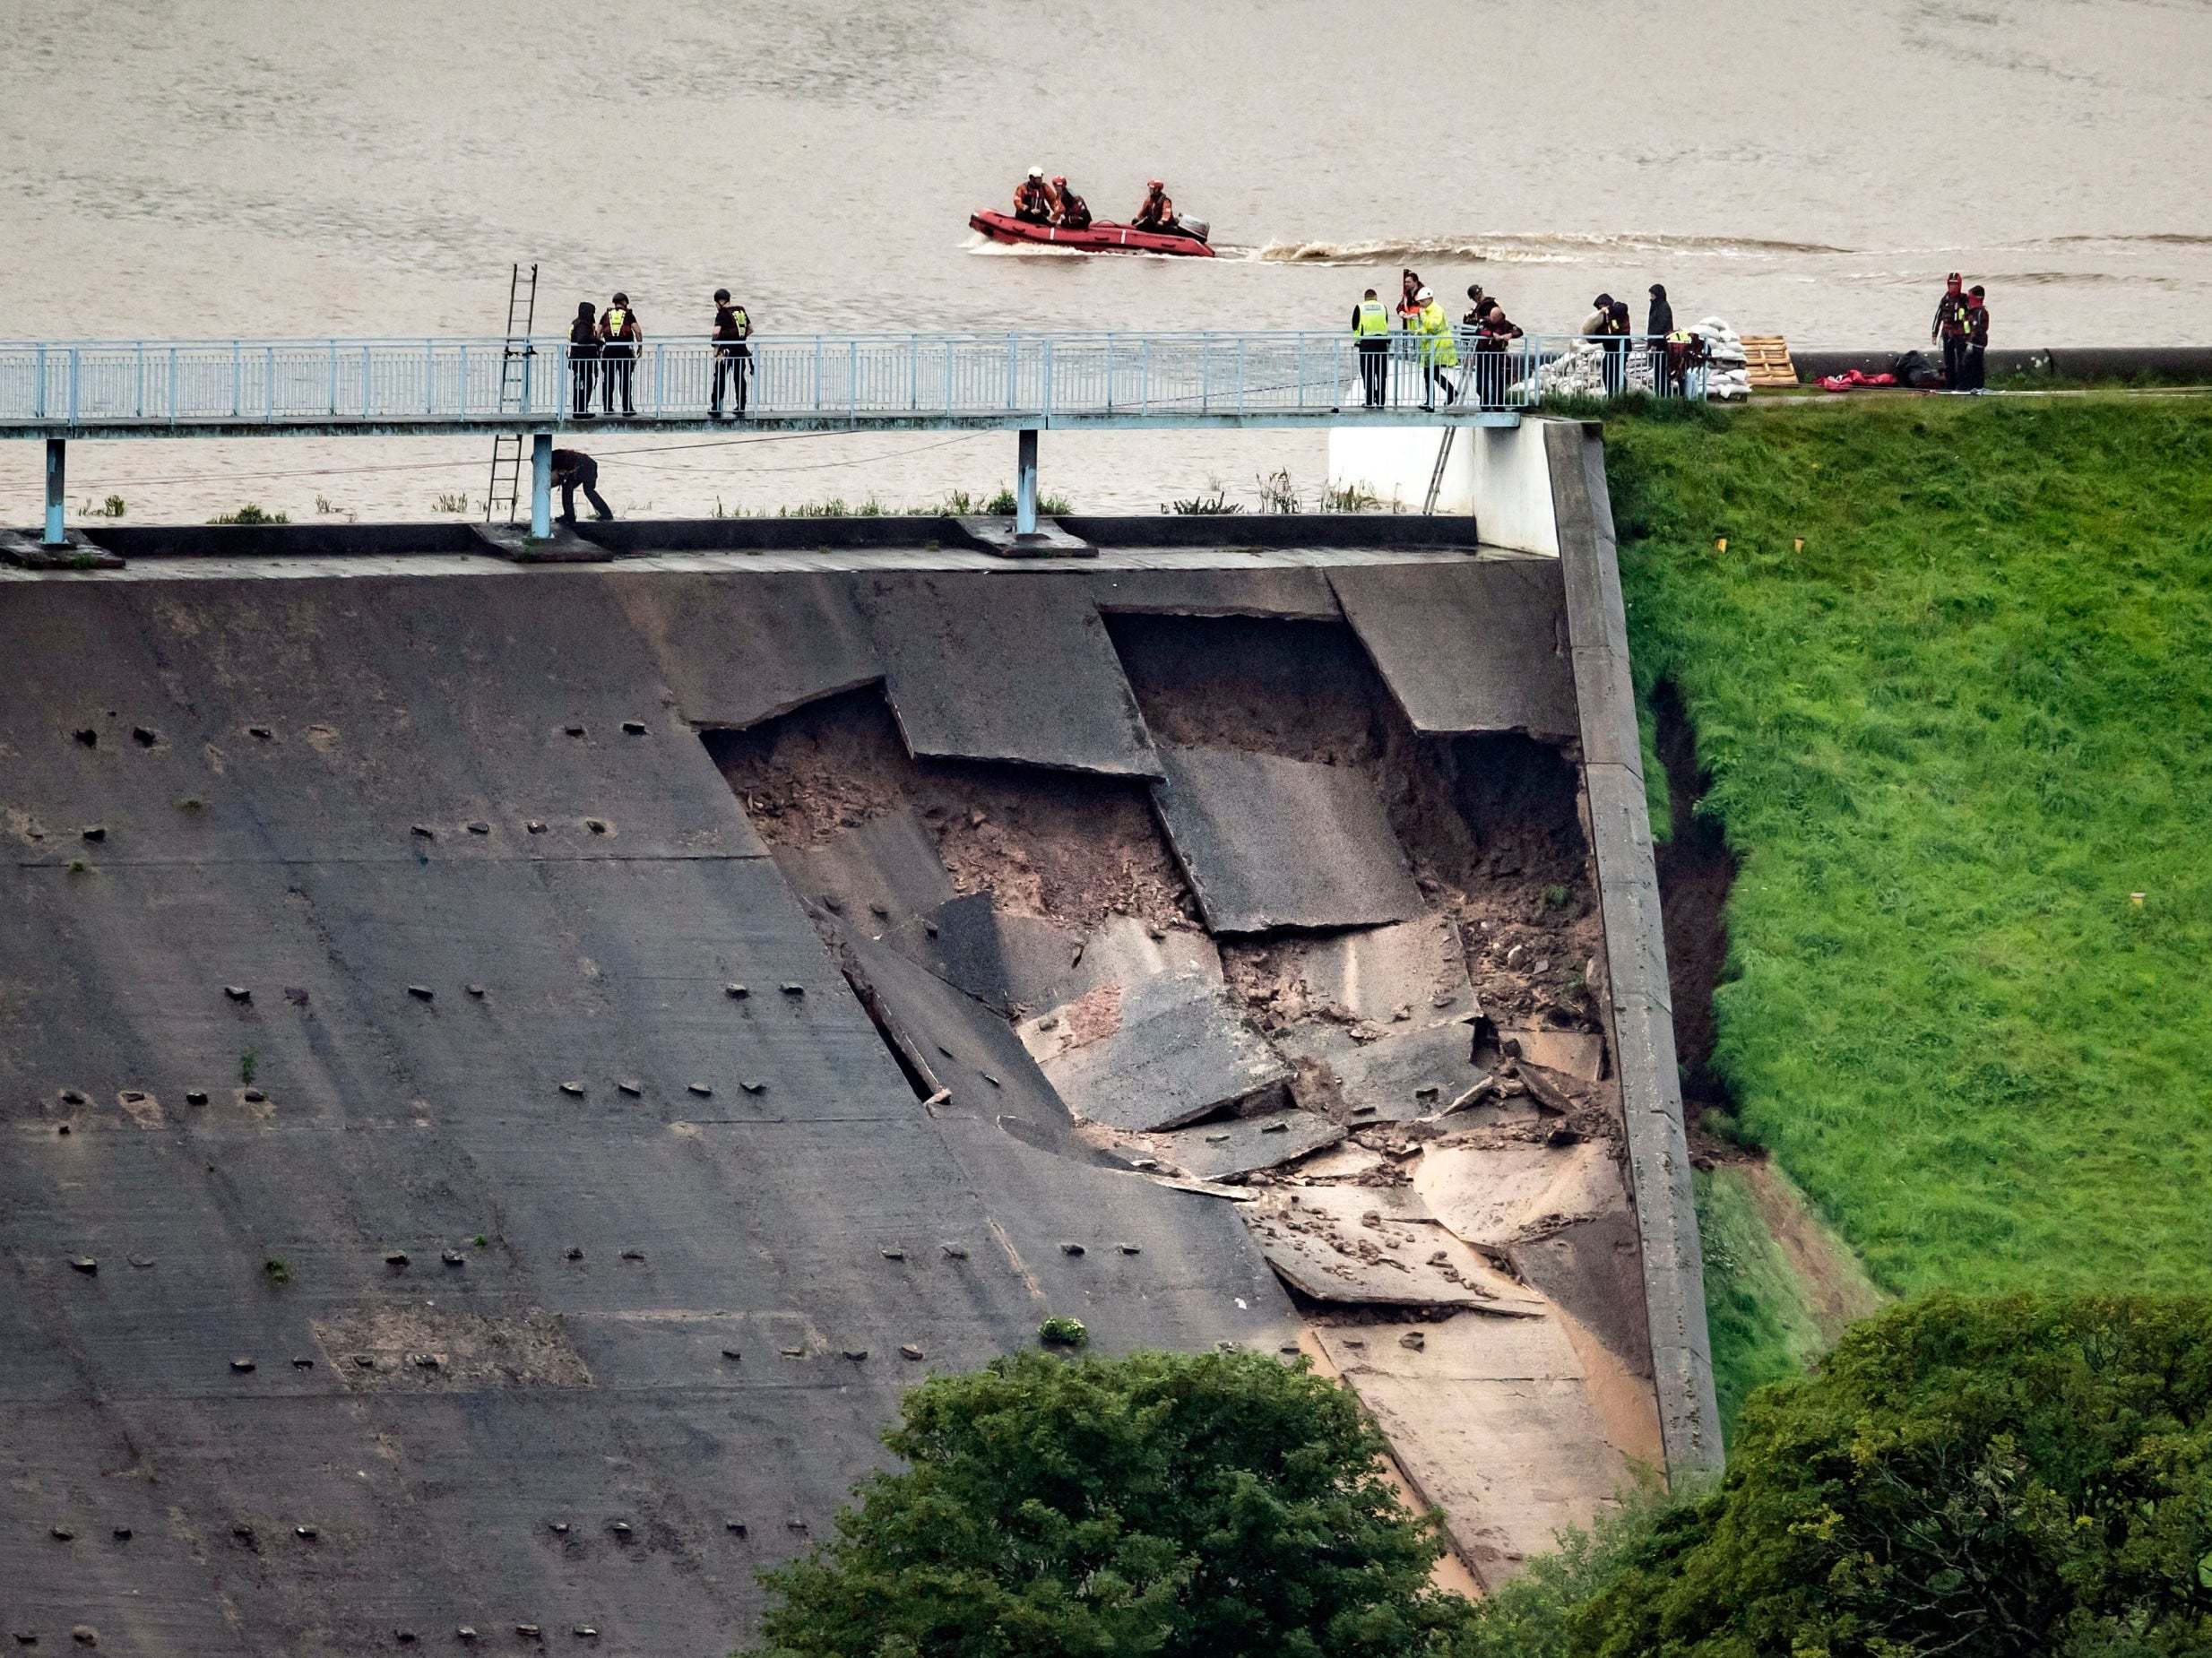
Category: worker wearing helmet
[1032,201]
[1070,211]
[1438,353]
[1158,213]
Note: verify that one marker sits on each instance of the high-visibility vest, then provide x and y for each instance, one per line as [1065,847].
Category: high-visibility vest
[1436,346]
[618,319]
[1374,318]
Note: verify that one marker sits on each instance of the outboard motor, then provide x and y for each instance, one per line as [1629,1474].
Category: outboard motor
[1195,228]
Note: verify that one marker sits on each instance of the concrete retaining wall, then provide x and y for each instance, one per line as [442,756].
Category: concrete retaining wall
[1639,1006]
[1497,473]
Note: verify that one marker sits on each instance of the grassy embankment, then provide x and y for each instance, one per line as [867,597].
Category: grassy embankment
[1947,741]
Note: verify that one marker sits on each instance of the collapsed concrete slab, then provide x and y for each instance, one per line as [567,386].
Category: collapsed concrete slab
[1011,667]
[1397,1078]
[889,862]
[1491,1195]
[1221,1151]
[1288,594]
[1005,960]
[1468,649]
[1154,1055]
[1336,1244]
[1580,1054]
[1414,971]
[1267,842]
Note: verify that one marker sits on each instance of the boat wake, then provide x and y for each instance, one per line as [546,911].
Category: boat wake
[1535,247]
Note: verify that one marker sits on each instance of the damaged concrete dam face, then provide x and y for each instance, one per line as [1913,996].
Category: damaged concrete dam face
[527,1070]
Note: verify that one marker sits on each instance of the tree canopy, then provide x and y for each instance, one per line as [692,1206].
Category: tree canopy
[1167,1505]
[1964,1478]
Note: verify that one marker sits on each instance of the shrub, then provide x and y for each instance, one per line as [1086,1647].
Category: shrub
[1973,1478]
[1165,1505]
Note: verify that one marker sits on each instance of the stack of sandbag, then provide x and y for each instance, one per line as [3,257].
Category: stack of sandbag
[1727,373]
[1580,371]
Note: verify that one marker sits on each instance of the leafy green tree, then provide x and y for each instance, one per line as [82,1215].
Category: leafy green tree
[1204,1506]
[1964,1479]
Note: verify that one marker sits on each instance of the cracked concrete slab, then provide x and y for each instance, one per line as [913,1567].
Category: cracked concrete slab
[1396,1078]
[1154,1055]
[1007,667]
[1267,842]
[1241,1144]
[1479,646]
[1491,1195]
[1336,1244]
[735,654]
[1007,961]
[1418,967]
[1580,1054]
[889,861]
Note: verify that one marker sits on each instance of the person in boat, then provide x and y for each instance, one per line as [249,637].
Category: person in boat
[1070,211]
[1158,213]
[1032,199]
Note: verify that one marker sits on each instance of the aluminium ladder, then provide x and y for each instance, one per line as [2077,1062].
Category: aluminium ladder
[505,488]
[1444,444]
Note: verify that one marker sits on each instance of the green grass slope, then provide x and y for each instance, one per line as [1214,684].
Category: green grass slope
[1947,740]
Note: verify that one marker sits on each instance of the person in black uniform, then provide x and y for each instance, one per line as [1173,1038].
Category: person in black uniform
[573,469]
[732,356]
[584,356]
[1950,326]
[619,336]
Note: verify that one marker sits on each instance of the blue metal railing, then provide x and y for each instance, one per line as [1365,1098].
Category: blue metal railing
[1121,378]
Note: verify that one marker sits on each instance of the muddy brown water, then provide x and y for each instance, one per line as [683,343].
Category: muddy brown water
[194,168]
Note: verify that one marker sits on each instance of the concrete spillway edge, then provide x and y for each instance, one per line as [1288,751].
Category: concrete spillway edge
[1638,1004]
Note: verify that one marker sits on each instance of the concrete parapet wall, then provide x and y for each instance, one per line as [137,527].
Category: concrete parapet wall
[1496,474]
[1637,1004]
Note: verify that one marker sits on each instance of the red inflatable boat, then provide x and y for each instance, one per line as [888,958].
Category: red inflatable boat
[1102,237]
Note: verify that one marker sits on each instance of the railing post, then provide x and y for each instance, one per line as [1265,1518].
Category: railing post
[541,485]
[813,399]
[57,481]
[172,385]
[333,378]
[1206,373]
[37,390]
[1144,378]
[1047,376]
[852,380]
[238,378]
[1013,374]
[365,378]
[948,377]
[429,376]
[465,379]
[913,372]
[1109,371]
[268,382]
[76,364]
[138,402]
[1240,376]
[1025,482]
[530,358]
[659,377]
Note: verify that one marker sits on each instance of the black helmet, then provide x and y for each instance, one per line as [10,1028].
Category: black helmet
[621,298]
[721,296]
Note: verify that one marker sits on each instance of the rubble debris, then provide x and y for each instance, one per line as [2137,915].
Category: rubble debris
[238,993]
[84,1264]
[421,992]
[1335,1245]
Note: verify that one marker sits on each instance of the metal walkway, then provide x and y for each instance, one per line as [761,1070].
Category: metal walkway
[57,389]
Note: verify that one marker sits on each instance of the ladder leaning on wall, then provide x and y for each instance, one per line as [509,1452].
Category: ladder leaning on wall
[505,488]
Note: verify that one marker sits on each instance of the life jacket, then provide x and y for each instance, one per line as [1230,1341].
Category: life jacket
[618,319]
[1373,319]
[1954,314]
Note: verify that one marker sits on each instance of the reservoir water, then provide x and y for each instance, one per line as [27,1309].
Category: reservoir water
[210,167]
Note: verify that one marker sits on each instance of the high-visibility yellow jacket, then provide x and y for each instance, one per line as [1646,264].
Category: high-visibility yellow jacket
[1436,349]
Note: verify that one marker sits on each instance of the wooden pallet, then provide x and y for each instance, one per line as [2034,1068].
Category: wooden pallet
[1766,359]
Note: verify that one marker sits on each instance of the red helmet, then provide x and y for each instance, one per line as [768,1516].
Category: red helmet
[1060,178]
[1154,184]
